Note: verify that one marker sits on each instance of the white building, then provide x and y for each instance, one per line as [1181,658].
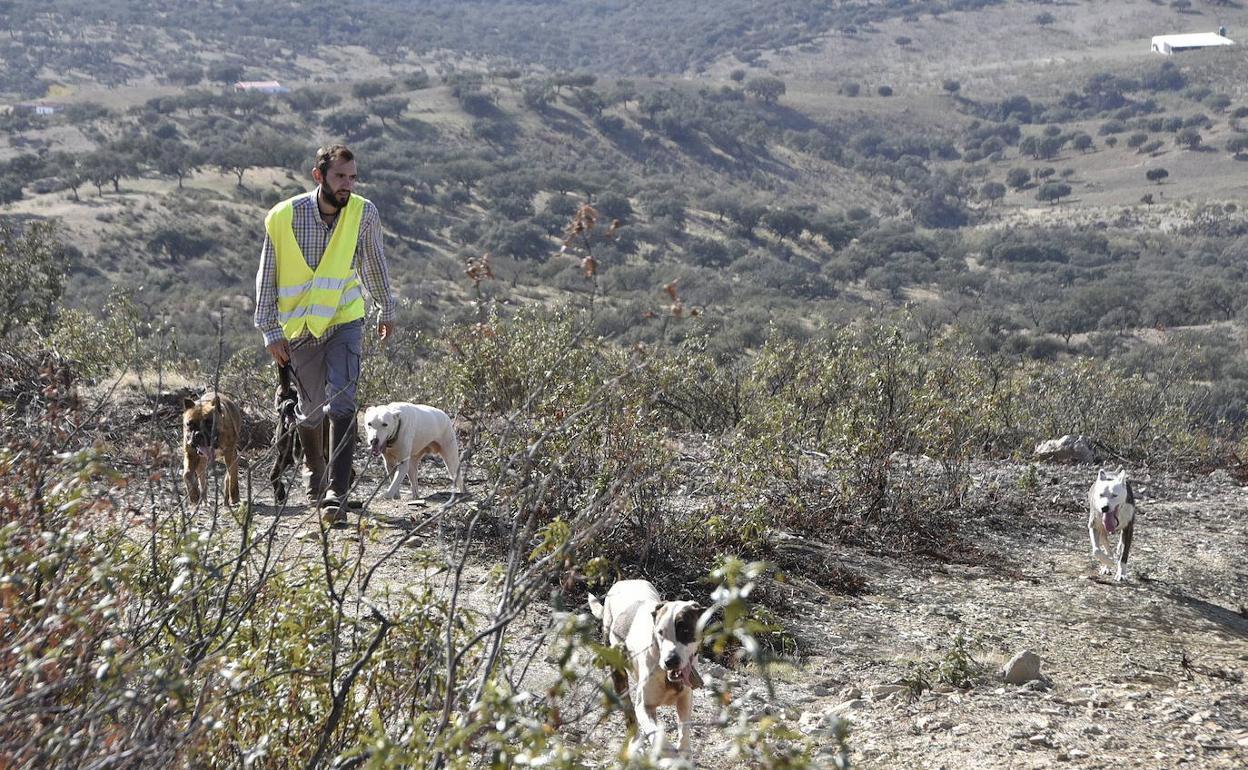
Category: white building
[39,108]
[261,86]
[1172,44]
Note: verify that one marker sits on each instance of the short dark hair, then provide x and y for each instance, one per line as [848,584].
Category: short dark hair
[330,153]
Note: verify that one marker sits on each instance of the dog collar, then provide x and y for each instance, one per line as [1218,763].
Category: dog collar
[398,426]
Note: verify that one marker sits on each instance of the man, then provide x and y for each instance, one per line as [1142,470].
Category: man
[318,248]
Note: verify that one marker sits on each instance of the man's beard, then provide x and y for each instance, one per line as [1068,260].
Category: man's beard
[331,199]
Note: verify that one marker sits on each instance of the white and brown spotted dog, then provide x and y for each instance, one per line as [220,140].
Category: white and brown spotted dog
[1111,509]
[660,640]
[403,433]
[210,429]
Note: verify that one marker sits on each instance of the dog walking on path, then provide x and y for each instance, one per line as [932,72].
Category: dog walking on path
[210,428]
[660,640]
[1111,509]
[403,433]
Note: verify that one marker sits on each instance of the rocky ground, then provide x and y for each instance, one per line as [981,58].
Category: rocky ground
[1149,672]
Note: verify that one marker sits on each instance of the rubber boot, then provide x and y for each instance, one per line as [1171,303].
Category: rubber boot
[342,451]
[313,443]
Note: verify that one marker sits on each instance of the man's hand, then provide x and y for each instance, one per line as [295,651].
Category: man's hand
[280,351]
[384,330]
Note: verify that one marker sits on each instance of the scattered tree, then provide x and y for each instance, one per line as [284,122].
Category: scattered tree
[368,90]
[1052,191]
[1189,138]
[174,158]
[345,123]
[992,192]
[784,222]
[767,89]
[188,75]
[389,108]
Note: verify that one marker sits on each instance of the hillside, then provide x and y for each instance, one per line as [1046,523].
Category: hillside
[988,165]
[734,196]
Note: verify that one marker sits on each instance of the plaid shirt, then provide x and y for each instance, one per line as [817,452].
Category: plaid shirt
[312,235]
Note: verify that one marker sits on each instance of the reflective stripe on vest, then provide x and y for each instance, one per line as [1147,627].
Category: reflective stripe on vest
[328,296]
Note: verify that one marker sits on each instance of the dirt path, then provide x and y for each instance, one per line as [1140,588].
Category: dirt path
[1150,672]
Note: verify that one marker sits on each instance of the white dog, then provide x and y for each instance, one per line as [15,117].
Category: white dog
[403,433]
[661,641]
[1111,508]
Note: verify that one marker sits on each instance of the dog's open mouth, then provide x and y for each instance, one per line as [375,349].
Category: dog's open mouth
[681,675]
[376,449]
[1110,520]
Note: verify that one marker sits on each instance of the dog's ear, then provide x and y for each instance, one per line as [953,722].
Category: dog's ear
[1103,475]
[657,609]
[188,402]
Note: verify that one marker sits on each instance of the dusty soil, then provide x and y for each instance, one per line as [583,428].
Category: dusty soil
[1149,672]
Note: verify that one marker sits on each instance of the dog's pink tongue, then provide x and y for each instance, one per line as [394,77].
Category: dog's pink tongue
[1110,520]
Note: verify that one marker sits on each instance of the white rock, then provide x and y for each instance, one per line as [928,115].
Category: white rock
[1022,668]
[818,724]
[1067,449]
[882,691]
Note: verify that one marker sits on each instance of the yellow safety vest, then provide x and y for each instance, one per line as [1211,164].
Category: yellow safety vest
[331,294]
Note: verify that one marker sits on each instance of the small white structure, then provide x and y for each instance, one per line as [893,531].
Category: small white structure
[261,86]
[1172,44]
[39,108]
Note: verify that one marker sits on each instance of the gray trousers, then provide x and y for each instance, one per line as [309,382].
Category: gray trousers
[327,371]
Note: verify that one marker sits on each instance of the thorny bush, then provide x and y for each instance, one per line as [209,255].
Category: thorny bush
[140,633]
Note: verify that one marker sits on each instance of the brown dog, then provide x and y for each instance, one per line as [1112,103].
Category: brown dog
[210,428]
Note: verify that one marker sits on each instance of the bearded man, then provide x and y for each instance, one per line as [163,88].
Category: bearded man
[322,251]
